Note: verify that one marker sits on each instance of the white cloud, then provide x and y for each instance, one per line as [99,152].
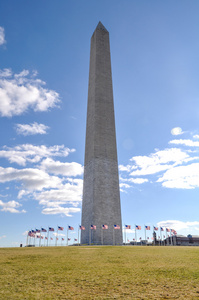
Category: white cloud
[60,210]
[181,177]
[2,237]
[158,161]
[11,206]
[5,73]
[177,225]
[22,154]
[66,193]
[196,136]
[176,131]
[189,143]
[58,234]
[41,183]
[59,168]
[127,230]
[138,180]
[124,185]
[31,179]
[21,92]
[127,168]
[2,36]
[31,129]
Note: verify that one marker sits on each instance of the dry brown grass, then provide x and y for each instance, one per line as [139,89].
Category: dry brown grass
[99,273]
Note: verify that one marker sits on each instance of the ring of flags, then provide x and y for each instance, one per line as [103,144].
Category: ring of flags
[37,232]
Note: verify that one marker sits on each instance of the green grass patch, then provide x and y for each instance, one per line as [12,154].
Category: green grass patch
[99,273]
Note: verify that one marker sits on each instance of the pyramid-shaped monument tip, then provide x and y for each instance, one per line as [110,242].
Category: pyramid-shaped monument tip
[101,26]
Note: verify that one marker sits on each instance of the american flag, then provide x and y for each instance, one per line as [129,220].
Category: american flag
[51,238]
[116,227]
[140,238]
[42,237]
[31,234]
[38,236]
[138,227]
[81,227]
[167,230]
[93,227]
[147,227]
[62,239]
[57,238]
[155,228]
[75,240]
[148,238]
[69,239]
[128,226]
[70,228]
[172,230]
[43,230]
[164,236]
[37,230]
[33,231]
[104,226]
[60,228]
[51,229]
[46,238]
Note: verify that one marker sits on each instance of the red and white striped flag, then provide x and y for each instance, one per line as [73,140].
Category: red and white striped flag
[104,226]
[116,227]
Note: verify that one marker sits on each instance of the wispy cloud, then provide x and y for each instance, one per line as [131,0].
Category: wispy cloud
[11,206]
[181,177]
[52,183]
[177,225]
[2,237]
[2,36]
[30,178]
[158,161]
[24,153]
[60,210]
[188,143]
[60,168]
[21,92]
[172,167]
[31,129]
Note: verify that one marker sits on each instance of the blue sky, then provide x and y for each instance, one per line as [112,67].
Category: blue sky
[44,54]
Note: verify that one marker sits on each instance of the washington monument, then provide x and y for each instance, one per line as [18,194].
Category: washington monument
[101,196]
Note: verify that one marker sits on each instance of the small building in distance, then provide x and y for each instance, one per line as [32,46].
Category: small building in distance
[181,240]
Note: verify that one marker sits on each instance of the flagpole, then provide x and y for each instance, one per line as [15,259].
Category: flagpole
[34,238]
[145,231]
[27,240]
[67,235]
[125,233]
[171,237]
[56,236]
[78,235]
[113,236]
[161,235]
[48,236]
[135,235]
[101,235]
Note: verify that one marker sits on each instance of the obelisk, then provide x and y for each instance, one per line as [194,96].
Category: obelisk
[101,195]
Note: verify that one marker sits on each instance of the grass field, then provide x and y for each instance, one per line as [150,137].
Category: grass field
[99,273]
